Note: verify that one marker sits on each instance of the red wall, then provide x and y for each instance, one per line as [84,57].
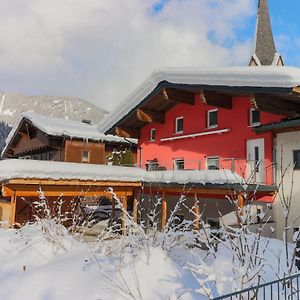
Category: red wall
[231,144]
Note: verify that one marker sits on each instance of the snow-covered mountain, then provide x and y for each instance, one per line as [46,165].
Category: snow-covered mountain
[12,105]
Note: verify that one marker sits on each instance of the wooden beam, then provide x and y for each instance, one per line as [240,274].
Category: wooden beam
[73,182]
[163,211]
[33,193]
[296,89]
[13,209]
[124,213]
[277,102]
[127,132]
[241,204]
[196,212]
[178,96]
[149,116]
[135,206]
[276,105]
[199,191]
[276,111]
[216,99]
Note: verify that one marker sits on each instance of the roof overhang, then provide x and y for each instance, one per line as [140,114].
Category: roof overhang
[34,187]
[278,127]
[272,89]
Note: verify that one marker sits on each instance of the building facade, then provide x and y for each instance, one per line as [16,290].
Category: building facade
[45,138]
[286,205]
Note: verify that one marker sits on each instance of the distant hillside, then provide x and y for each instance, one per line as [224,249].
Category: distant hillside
[12,105]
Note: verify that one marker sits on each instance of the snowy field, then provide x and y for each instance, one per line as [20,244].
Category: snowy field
[43,261]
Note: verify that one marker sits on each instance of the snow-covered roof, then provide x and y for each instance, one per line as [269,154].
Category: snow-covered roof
[22,168]
[258,77]
[68,128]
[34,169]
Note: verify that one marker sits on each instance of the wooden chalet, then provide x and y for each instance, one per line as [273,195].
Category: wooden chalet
[45,138]
[24,181]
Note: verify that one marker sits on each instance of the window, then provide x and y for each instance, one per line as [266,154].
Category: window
[50,155]
[296,159]
[212,163]
[152,165]
[85,156]
[212,118]
[179,164]
[179,125]
[254,117]
[25,157]
[152,134]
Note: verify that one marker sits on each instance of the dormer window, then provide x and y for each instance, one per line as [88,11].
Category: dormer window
[179,125]
[254,117]
[152,135]
[212,118]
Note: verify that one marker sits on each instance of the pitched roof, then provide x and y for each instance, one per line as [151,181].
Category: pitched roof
[264,46]
[243,78]
[64,128]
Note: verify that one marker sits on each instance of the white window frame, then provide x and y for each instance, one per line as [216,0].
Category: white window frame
[213,158]
[252,124]
[88,158]
[151,134]
[208,118]
[25,157]
[176,129]
[175,165]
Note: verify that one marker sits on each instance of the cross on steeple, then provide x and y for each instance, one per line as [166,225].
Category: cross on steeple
[264,47]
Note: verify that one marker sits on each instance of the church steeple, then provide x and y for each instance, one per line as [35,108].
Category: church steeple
[264,47]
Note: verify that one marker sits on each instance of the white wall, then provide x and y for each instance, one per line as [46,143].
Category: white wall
[285,144]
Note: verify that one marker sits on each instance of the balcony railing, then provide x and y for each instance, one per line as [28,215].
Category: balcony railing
[261,171]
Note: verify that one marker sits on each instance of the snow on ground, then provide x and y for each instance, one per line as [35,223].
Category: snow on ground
[42,261]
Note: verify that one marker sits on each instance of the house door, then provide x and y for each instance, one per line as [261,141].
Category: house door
[255,160]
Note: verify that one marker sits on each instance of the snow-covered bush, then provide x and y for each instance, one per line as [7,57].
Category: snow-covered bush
[176,262]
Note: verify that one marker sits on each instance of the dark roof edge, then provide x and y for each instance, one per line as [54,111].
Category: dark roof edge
[278,125]
[197,87]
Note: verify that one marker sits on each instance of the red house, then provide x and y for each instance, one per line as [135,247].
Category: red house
[204,118]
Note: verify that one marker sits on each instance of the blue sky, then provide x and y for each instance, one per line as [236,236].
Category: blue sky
[101,50]
[285,24]
[286,28]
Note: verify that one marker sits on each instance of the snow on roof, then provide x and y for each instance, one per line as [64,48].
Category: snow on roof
[23,168]
[260,77]
[34,169]
[62,127]
[194,176]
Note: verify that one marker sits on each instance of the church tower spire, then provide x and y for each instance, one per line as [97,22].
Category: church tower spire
[264,47]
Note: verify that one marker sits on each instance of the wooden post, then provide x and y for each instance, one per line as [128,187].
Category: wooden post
[113,209]
[241,204]
[196,213]
[135,206]
[124,211]
[13,209]
[163,210]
